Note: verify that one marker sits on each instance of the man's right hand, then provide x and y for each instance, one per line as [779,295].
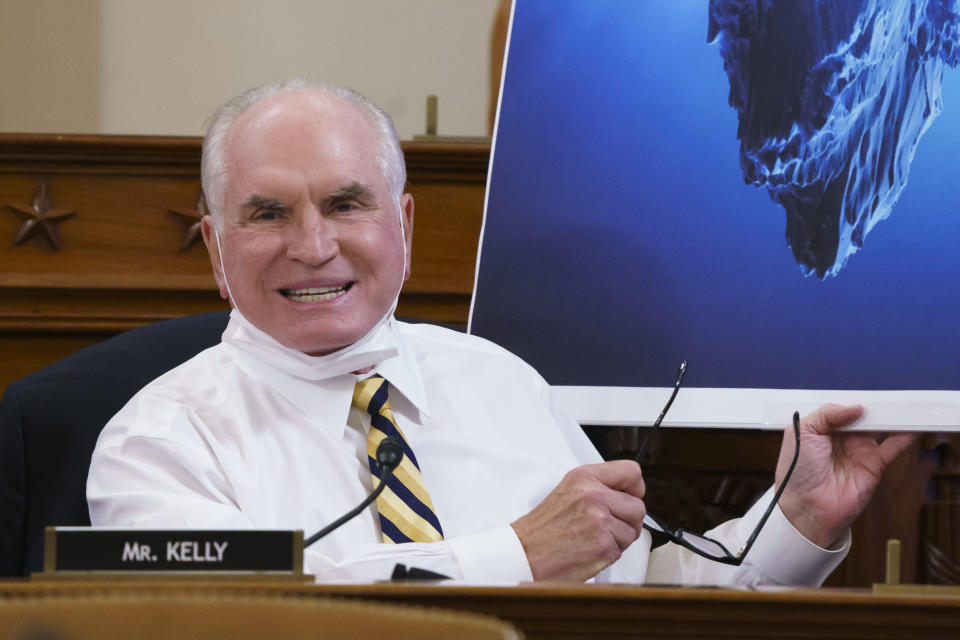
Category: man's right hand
[583,525]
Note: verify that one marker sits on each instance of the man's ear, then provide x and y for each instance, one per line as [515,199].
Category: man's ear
[213,250]
[406,211]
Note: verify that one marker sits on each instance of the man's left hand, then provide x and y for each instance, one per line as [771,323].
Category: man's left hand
[836,474]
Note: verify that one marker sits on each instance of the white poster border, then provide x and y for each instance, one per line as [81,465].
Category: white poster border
[762,409]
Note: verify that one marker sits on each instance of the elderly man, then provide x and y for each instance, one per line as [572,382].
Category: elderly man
[310,236]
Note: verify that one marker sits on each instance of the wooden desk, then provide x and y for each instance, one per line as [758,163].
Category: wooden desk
[620,611]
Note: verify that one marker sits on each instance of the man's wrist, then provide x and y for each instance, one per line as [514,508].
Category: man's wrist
[811,525]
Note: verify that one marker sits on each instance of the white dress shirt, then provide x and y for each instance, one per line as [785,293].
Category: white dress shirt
[251,434]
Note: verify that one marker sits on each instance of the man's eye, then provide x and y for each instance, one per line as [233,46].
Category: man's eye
[266,215]
[343,207]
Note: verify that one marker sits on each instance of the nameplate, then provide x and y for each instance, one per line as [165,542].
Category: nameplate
[85,550]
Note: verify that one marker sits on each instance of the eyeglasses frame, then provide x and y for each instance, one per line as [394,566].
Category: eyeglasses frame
[677,535]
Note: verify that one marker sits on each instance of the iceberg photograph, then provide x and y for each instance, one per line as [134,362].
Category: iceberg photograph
[768,190]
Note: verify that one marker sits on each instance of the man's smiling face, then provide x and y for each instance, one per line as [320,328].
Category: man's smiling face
[313,249]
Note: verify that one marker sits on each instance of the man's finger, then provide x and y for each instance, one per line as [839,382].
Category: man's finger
[622,475]
[623,533]
[830,416]
[896,444]
[628,509]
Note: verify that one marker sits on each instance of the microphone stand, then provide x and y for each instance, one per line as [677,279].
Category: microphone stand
[389,456]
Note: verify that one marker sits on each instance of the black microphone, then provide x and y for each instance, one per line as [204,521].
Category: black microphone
[389,456]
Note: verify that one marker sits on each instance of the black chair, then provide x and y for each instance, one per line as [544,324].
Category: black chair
[50,421]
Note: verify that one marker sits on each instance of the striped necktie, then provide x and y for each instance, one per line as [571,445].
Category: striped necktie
[405,509]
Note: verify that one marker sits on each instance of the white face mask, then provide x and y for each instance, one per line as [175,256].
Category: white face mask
[372,348]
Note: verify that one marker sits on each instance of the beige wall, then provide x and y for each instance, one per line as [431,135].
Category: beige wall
[149,67]
[49,65]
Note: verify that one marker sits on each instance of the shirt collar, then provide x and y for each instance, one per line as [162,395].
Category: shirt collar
[403,374]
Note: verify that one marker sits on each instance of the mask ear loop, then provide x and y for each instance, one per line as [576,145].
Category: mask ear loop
[223,272]
[403,241]
[403,264]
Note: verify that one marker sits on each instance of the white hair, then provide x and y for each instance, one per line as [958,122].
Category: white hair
[214,165]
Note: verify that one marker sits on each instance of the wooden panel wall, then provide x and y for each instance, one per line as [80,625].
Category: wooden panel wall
[122,260]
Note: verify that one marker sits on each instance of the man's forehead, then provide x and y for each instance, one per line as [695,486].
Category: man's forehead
[302,116]
[308,128]
[300,99]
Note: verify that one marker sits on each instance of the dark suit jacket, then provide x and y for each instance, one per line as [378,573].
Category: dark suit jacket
[50,421]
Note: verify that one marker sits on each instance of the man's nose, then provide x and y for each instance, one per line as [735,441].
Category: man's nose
[313,240]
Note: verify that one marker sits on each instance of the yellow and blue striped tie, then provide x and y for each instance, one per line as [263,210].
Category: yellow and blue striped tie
[405,509]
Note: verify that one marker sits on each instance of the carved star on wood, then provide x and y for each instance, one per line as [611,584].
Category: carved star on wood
[40,218]
[191,217]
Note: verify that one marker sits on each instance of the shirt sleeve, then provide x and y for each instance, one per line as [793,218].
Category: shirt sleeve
[151,482]
[494,556]
[781,555]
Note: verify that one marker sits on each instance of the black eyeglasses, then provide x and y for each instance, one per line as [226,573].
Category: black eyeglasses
[695,542]
[681,373]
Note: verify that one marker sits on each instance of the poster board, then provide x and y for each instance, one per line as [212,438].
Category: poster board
[766,191]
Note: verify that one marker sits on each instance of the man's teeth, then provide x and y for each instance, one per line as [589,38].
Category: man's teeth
[315,294]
